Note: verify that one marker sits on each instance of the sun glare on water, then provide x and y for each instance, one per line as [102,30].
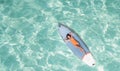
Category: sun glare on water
[100,68]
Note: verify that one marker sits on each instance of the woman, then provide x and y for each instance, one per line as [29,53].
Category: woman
[70,38]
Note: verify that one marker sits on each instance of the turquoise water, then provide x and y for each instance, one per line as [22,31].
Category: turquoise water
[29,39]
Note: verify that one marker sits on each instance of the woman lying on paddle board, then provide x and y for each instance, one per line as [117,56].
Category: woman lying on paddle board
[74,41]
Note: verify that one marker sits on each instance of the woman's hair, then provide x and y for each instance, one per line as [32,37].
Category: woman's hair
[68,35]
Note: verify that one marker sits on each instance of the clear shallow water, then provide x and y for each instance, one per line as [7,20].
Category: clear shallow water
[29,39]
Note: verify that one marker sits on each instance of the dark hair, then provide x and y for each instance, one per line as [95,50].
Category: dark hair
[68,35]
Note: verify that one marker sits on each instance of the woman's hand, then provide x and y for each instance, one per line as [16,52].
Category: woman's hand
[66,40]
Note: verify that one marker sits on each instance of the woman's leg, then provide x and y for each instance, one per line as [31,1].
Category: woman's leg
[81,49]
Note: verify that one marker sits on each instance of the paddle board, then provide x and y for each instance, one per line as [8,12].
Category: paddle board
[85,55]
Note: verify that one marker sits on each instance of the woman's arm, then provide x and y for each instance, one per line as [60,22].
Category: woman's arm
[71,34]
[66,40]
